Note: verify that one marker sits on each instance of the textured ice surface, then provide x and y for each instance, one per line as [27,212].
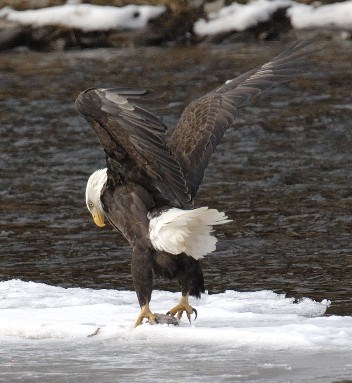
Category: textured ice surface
[258,320]
[238,337]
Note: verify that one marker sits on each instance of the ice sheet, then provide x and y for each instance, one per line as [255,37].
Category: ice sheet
[257,320]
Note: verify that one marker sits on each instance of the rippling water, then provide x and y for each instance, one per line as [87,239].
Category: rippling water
[283,173]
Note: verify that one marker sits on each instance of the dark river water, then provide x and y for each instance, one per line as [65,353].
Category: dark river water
[283,173]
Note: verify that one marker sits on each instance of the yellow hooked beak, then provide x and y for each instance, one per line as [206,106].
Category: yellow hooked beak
[98,217]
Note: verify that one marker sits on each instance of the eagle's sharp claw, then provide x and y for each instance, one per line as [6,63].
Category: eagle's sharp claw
[183,306]
[195,313]
[146,314]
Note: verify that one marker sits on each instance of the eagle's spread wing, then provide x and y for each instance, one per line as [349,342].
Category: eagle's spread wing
[205,120]
[134,141]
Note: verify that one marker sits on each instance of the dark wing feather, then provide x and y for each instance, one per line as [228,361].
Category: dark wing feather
[134,141]
[204,121]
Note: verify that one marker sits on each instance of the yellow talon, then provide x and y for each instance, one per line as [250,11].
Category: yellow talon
[147,314]
[183,306]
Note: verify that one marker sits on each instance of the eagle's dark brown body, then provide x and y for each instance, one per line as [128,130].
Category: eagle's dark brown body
[145,171]
[127,206]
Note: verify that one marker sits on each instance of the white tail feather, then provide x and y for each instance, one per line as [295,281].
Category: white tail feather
[179,231]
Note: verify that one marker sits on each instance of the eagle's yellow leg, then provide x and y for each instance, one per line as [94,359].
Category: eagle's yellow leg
[182,307]
[147,314]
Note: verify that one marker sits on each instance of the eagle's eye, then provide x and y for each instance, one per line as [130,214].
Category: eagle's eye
[90,204]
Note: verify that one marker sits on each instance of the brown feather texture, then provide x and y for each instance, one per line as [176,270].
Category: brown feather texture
[134,141]
[147,190]
[205,120]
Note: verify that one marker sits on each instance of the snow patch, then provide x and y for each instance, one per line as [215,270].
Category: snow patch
[235,17]
[338,15]
[239,17]
[87,17]
[258,320]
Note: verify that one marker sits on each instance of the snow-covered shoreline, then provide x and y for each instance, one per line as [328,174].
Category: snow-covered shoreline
[256,16]
[239,17]
[86,17]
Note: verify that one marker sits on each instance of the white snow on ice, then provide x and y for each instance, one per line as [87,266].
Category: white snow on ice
[86,17]
[257,320]
[235,17]
[239,17]
[338,15]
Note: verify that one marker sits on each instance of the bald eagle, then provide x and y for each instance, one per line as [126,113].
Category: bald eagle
[147,190]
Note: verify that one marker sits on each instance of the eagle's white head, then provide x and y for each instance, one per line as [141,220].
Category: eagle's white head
[95,185]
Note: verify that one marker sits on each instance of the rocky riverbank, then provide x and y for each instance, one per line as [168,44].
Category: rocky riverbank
[55,25]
